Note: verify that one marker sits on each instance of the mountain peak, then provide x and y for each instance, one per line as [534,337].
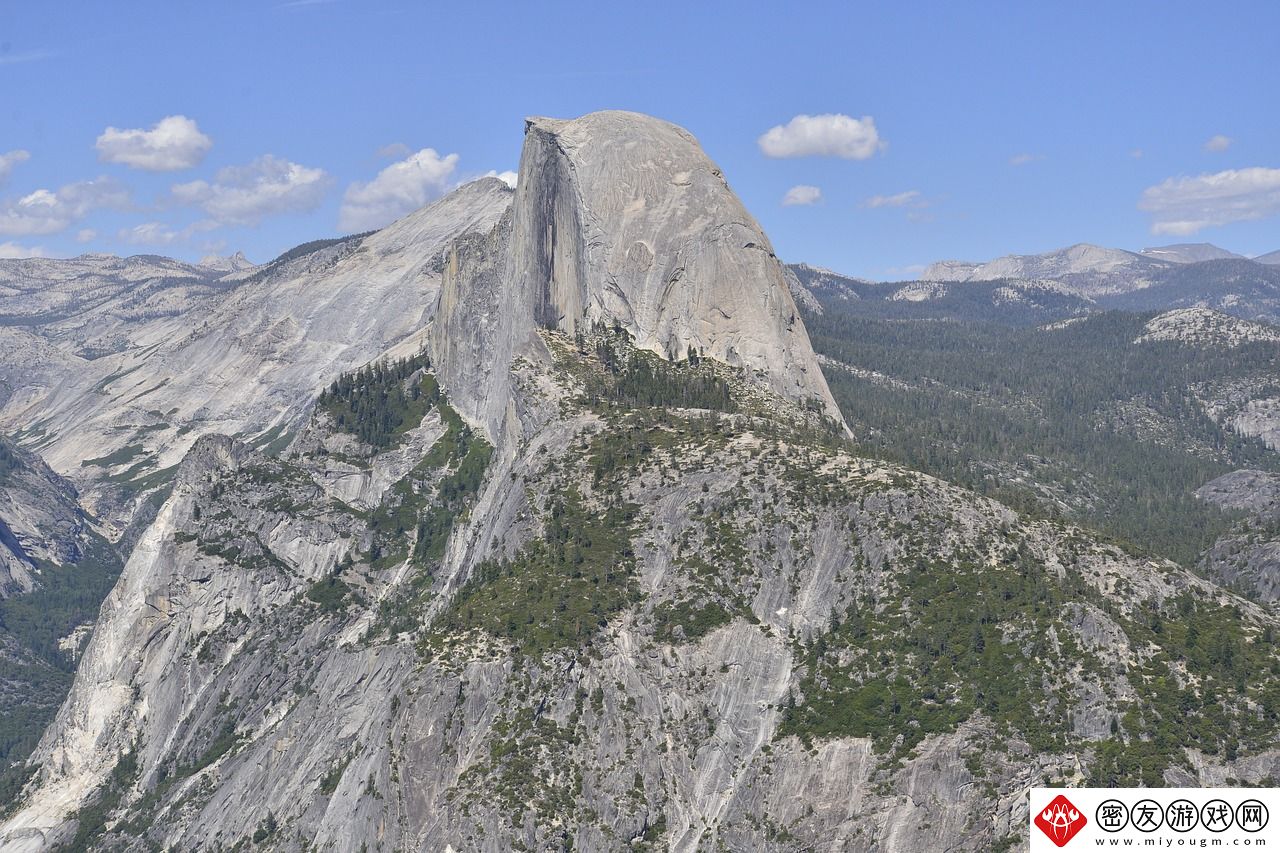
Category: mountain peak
[621,219]
[473,202]
[1081,259]
[1188,253]
[228,263]
[646,233]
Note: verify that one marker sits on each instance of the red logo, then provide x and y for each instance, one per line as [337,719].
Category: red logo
[1060,820]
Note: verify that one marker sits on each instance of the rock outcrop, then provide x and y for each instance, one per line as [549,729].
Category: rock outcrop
[1247,558]
[1206,327]
[40,521]
[620,217]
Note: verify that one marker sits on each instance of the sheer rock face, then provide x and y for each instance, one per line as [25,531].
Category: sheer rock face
[1248,557]
[617,218]
[476,333]
[622,217]
[39,520]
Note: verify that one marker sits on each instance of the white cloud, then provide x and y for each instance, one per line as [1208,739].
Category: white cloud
[1136,153]
[11,159]
[1184,205]
[508,177]
[174,143]
[398,189]
[86,235]
[160,234]
[27,56]
[830,135]
[1024,158]
[148,234]
[1218,142]
[47,212]
[395,151]
[12,251]
[802,194]
[910,198]
[245,195]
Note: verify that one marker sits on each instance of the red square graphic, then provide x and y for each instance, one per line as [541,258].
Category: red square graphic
[1060,820]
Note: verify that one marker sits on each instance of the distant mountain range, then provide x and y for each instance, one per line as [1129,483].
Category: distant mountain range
[1074,281]
[1189,253]
[1085,259]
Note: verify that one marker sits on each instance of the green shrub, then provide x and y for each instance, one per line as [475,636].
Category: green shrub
[374,404]
[560,589]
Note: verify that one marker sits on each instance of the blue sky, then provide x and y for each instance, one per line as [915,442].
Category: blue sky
[998,128]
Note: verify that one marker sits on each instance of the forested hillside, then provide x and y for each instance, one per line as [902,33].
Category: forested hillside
[1074,421]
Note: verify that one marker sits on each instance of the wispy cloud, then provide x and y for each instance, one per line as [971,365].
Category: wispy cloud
[7,58]
[910,198]
[1184,205]
[1024,158]
[245,195]
[802,195]
[1218,143]
[13,251]
[914,203]
[48,211]
[160,234]
[395,151]
[10,159]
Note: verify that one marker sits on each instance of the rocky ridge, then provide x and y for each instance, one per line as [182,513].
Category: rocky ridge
[1188,253]
[1091,270]
[133,397]
[1206,327]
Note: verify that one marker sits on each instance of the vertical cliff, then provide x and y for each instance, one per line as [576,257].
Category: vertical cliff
[621,218]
